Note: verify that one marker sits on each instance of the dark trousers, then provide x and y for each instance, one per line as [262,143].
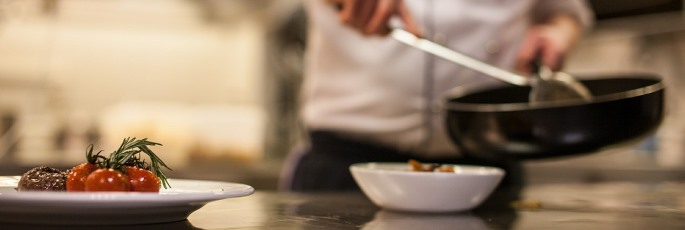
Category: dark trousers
[325,165]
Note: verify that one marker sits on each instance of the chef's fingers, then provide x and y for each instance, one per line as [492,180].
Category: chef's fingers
[407,19]
[528,49]
[549,54]
[552,56]
[372,16]
[363,14]
[378,24]
[346,9]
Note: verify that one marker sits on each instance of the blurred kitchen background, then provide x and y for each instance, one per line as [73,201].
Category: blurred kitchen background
[215,81]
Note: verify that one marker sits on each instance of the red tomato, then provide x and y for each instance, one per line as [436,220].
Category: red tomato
[107,180]
[142,180]
[76,180]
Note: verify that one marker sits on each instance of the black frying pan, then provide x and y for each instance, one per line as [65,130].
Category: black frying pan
[500,123]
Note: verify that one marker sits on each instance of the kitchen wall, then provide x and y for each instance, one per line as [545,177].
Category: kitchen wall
[187,74]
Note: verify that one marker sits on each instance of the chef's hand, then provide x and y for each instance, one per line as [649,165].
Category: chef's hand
[371,17]
[552,40]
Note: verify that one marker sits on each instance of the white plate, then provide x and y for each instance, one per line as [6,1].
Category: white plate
[107,208]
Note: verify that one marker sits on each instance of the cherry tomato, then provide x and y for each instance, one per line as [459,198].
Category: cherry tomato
[76,180]
[142,180]
[107,180]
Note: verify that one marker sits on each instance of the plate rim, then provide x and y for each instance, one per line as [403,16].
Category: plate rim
[83,208]
[165,196]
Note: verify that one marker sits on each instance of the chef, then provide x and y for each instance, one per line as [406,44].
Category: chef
[367,97]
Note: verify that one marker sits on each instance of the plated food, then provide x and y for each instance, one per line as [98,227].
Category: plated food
[124,170]
[43,178]
[125,187]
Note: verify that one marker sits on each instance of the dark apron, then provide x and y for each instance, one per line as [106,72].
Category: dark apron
[325,165]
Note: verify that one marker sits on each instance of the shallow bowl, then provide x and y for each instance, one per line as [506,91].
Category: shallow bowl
[394,186]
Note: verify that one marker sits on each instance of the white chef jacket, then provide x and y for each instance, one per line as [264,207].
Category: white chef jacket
[379,90]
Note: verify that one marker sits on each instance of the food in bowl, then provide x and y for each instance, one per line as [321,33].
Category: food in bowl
[395,186]
[417,166]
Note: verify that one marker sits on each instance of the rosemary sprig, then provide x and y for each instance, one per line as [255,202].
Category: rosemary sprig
[94,158]
[128,154]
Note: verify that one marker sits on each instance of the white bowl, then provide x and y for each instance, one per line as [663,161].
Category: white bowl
[394,186]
